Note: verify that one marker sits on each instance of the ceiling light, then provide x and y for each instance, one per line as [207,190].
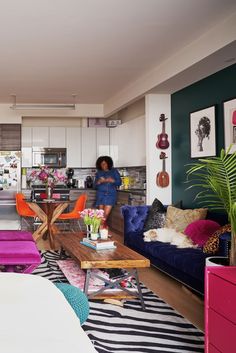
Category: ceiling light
[42,106]
[22,106]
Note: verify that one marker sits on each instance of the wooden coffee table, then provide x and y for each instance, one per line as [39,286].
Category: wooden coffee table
[122,257]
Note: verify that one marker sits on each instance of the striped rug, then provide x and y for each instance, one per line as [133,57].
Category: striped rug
[129,329]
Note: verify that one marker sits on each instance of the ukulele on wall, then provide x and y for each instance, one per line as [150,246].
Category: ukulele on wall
[162,178]
[162,139]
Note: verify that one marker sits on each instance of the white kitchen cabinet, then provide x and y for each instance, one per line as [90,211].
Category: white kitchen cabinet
[103,142]
[26,136]
[40,136]
[89,147]
[73,146]
[26,158]
[57,137]
[137,146]
[127,143]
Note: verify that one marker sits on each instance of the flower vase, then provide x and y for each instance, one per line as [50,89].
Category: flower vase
[88,230]
[94,236]
[49,192]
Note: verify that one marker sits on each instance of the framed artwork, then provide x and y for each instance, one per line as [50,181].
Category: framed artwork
[203,133]
[230,124]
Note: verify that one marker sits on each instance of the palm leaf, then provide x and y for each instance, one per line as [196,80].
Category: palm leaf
[216,177]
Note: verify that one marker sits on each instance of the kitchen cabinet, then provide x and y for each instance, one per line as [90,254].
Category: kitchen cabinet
[73,146]
[115,220]
[103,142]
[89,147]
[40,136]
[26,158]
[57,137]
[26,136]
[10,137]
[127,143]
[91,196]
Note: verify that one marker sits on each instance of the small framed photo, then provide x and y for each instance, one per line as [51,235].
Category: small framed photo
[203,133]
[230,124]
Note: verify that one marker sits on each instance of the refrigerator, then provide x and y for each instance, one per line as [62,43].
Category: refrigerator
[10,184]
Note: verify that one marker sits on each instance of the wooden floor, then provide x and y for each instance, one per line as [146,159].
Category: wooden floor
[172,292]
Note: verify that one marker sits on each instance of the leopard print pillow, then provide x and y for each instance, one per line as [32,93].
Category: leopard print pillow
[212,244]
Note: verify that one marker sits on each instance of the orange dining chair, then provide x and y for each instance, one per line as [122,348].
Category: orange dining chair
[23,209]
[74,215]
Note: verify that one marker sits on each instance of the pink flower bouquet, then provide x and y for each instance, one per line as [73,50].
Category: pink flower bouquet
[48,176]
[93,218]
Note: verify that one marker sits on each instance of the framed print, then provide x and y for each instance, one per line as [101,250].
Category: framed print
[230,124]
[203,133]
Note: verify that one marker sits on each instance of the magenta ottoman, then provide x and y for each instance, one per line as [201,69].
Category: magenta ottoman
[14,235]
[19,256]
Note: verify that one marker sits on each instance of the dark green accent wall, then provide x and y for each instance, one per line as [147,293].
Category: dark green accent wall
[212,90]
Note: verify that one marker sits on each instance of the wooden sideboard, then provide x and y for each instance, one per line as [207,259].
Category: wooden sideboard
[220,309]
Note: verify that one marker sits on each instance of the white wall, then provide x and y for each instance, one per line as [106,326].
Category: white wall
[10,116]
[156,104]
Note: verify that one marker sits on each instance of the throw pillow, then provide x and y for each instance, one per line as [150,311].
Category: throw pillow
[200,231]
[212,244]
[156,216]
[179,219]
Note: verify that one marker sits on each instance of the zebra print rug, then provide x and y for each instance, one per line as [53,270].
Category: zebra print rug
[129,329]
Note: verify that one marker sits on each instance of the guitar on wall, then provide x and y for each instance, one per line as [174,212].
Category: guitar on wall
[162,139]
[162,179]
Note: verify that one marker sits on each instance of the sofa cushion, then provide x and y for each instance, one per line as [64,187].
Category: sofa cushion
[212,244]
[156,216]
[200,231]
[179,219]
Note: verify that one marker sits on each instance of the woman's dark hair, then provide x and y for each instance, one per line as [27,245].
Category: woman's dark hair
[101,159]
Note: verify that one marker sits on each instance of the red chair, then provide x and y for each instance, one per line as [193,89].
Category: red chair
[74,215]
[23,209]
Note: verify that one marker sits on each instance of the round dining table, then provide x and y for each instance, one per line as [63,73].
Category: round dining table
[48,211]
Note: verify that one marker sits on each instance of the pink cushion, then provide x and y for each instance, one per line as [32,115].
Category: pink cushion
[200,231]
[12,235]
[19,252]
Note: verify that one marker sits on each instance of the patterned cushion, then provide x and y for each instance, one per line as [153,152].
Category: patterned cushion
[156,216]
[179,219]
[212,244]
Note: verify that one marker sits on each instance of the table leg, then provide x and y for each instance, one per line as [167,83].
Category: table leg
[140,294]
[53,214]
[42,229]
[86,283]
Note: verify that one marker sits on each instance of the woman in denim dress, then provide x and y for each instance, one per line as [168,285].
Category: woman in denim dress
[106,182]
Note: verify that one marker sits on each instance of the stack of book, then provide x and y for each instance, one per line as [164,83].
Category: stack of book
[98,244]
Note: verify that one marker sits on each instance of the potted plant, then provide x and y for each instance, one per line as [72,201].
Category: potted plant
[216,177]
[92,220]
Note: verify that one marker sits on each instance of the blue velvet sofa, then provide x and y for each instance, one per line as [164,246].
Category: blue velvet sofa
[185,265]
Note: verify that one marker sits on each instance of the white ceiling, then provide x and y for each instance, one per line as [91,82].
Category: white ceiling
[94,48]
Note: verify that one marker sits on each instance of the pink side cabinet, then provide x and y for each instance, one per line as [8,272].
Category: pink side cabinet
[220,309]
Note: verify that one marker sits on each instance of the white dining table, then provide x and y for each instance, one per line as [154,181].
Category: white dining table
[36,318]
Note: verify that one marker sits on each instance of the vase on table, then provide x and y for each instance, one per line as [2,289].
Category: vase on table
[49,192]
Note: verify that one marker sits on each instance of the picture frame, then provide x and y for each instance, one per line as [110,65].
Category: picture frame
[203,132]
[230,124]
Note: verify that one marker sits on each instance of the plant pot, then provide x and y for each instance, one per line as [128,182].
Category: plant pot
[217,261]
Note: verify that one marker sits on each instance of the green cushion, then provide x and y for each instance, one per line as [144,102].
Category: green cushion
[76,298]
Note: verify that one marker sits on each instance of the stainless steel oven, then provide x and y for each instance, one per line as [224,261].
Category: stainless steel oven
[51,157]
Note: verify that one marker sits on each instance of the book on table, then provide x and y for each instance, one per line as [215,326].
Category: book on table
[98,244]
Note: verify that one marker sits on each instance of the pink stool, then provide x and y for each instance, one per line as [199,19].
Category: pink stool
[19,256]
[15,235]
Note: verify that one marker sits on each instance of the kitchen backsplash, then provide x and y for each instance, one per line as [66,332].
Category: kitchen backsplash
[137,175]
